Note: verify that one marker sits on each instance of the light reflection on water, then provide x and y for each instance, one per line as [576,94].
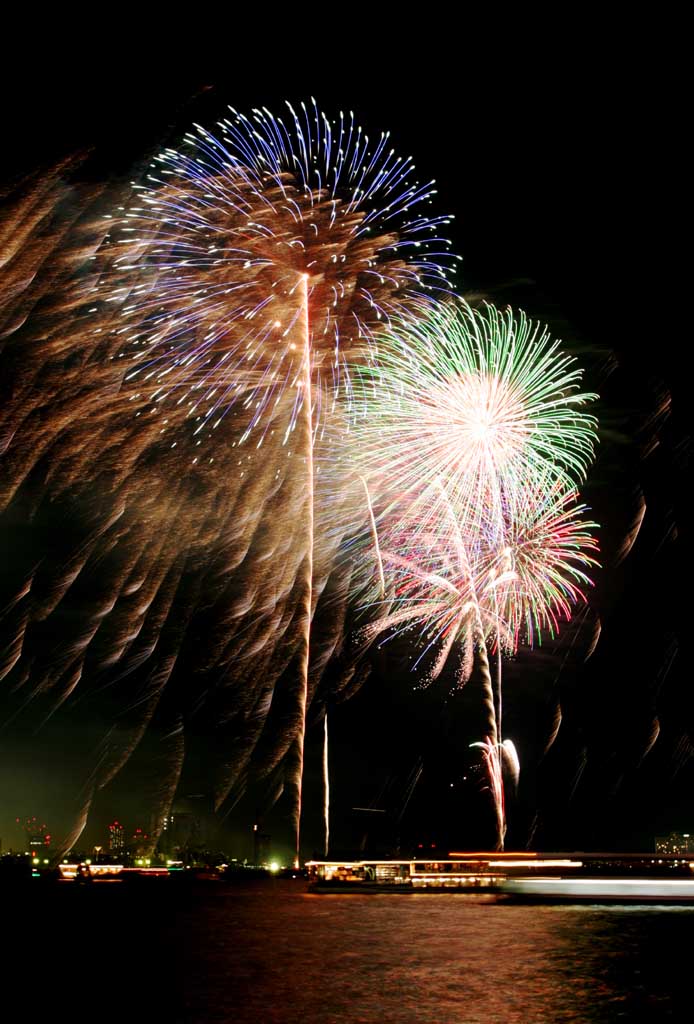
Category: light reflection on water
[274,953]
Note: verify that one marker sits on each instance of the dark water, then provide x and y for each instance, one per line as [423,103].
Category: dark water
[273,953]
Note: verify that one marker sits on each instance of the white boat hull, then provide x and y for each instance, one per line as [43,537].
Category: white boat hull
[632,890]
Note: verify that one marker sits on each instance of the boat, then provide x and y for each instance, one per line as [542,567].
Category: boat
[557,877]
[457,873]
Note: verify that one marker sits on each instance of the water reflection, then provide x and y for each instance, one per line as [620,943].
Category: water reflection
[276,954]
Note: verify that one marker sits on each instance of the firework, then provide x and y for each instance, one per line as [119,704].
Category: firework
[477,595]
[482,400]
[476,590]
[256,263]
[170,433]
[473,438]
[541,570]
[235,234]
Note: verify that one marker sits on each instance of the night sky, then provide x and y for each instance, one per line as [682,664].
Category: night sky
[559,175]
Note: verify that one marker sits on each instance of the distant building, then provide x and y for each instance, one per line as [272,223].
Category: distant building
[179,832]
[37,836]
[676,842]
[261,845]
[140,843]
[190,825]
[116,839]
[164,835]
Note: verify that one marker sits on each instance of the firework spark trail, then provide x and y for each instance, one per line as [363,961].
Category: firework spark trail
[308,613]
[492,760]
[374,534]
[326,785]
[479,639]
[153,431]
[492,741]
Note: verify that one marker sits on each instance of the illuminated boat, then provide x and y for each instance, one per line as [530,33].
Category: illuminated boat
[459,872]
[588,877]
[401,875]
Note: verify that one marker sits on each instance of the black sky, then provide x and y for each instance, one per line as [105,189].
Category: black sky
[561,172]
